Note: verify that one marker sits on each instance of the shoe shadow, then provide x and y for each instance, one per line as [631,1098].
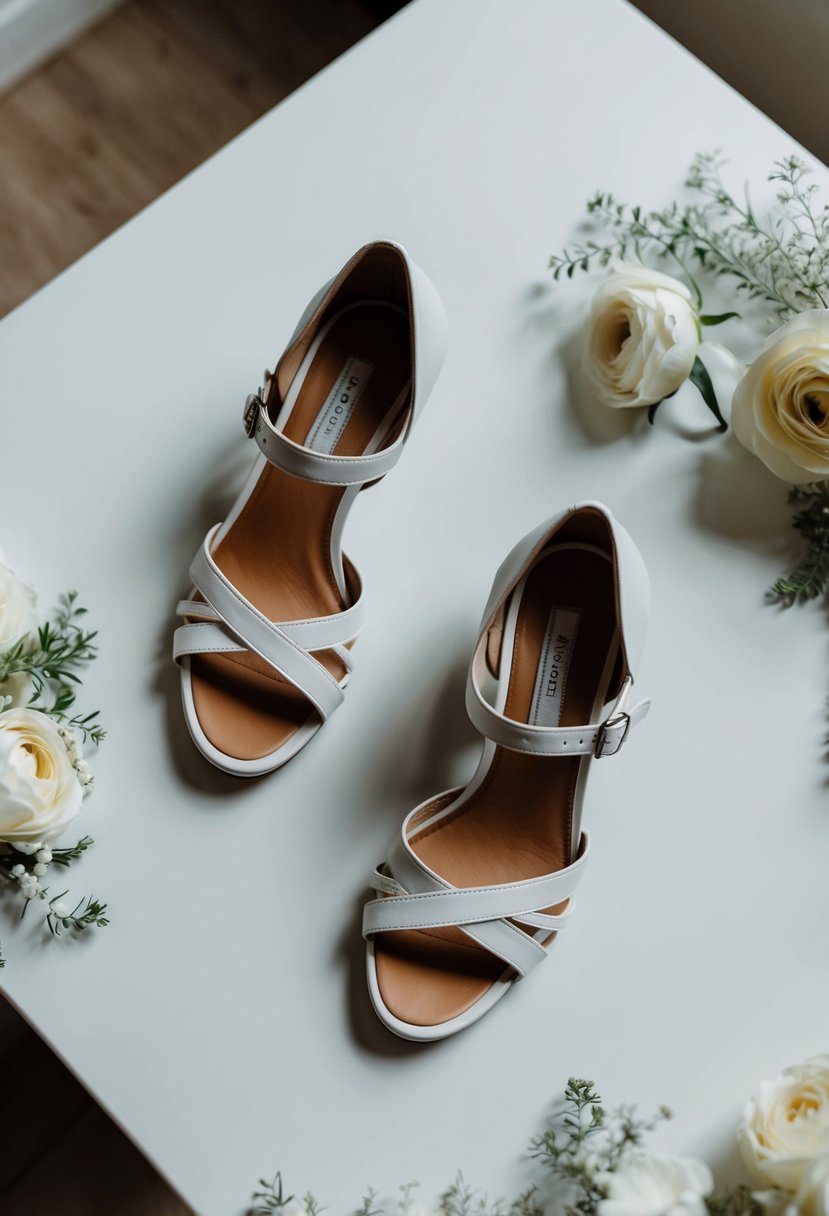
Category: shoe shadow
[429,747]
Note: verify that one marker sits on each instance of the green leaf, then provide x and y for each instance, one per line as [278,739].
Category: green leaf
[656,405]
[699,377]
[716,318]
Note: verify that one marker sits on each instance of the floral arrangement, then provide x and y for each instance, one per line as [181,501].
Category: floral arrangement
[644,336]
[593,1162]
[44,777]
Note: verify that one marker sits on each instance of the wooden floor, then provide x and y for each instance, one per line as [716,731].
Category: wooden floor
[138,101]
[85,142]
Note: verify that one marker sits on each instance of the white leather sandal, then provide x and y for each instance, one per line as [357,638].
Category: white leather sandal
[482,879]
[264,649]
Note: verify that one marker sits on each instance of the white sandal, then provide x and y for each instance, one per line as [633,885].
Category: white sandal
[482,879]
[264,649]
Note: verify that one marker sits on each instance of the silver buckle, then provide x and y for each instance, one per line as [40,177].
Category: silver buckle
[613,720]
[253,404]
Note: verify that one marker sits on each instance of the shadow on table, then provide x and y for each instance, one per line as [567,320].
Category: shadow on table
[429,747]
[739,499]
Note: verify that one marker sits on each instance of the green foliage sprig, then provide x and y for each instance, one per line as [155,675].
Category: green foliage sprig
[811,521]
[581,1145]
[781,257]
[52,660]
[18,870]
[271,1199]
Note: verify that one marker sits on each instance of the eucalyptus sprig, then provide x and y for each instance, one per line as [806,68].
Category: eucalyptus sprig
[52,659]
[780,257]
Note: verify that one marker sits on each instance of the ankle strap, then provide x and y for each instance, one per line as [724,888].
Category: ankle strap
[309,464]
[598,740]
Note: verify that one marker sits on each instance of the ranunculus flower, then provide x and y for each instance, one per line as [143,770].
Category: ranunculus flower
[780,408]
[645,1185]
[40,793]
[813,1197]
[785,1125]
[17,609]
[642,338]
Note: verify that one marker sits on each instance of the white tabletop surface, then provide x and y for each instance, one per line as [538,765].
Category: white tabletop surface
[222,1017]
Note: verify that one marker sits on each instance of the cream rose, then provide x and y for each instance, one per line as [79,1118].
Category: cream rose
[17,609]
[40,793]
[780,408]
[785,1125]
[644,1185]
[642,337]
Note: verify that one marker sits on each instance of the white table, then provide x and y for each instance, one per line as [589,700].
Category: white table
[226,1030]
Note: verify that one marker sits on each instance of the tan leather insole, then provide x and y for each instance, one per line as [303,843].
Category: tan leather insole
[518,824]
[277,552]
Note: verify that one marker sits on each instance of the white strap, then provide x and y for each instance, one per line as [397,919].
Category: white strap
[311,465]
[600,739]
[413,897]
[235,620]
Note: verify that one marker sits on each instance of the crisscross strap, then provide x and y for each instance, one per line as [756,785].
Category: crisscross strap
[227,622]
[413,897]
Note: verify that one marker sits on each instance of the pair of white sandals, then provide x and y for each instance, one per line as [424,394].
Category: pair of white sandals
[482,878]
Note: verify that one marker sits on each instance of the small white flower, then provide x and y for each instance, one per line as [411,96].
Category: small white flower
[44,855]
[60,910]
[19,870]
[27,847]
[30,889]
[644,1185]
[39,869]
[74,750]
[84,775]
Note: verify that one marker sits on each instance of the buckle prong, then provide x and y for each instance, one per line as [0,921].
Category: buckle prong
[614,720]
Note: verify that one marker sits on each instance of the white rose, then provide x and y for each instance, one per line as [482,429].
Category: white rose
[642,338]
[786,1125]
[813,1197]
[644,1185]
[780,408]
[39,791]
[17,609]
